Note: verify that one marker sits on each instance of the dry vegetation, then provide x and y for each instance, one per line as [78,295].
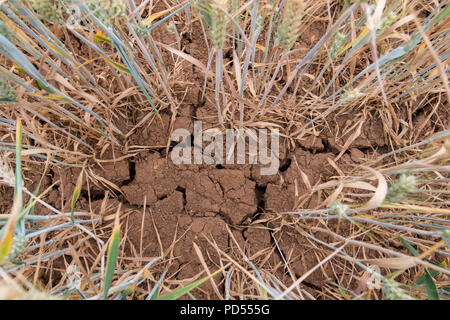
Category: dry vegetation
[362,85]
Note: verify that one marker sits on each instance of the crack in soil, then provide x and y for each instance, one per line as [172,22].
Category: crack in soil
[131,172]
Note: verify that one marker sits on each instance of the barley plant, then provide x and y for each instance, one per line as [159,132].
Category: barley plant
[70,70]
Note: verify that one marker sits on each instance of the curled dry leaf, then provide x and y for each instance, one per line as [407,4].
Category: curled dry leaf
[394,263]
[380,193]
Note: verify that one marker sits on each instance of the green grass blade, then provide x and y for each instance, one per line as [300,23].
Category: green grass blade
[186,290]
[408,246]
[76,195]
[430,285]
[7,239]
[113,253]
[433,273]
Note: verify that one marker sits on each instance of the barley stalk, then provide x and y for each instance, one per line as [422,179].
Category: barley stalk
[339,209]
[289,29]
[114,8]
[106,10]
[337,45]
[386,22]
[393,291]
[48,10]
[19,244]
[400,189]
[214,14]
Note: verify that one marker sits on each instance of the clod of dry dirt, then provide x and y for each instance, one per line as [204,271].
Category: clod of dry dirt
[206,192]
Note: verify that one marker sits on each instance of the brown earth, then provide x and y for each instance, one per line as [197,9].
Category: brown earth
[185,203]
